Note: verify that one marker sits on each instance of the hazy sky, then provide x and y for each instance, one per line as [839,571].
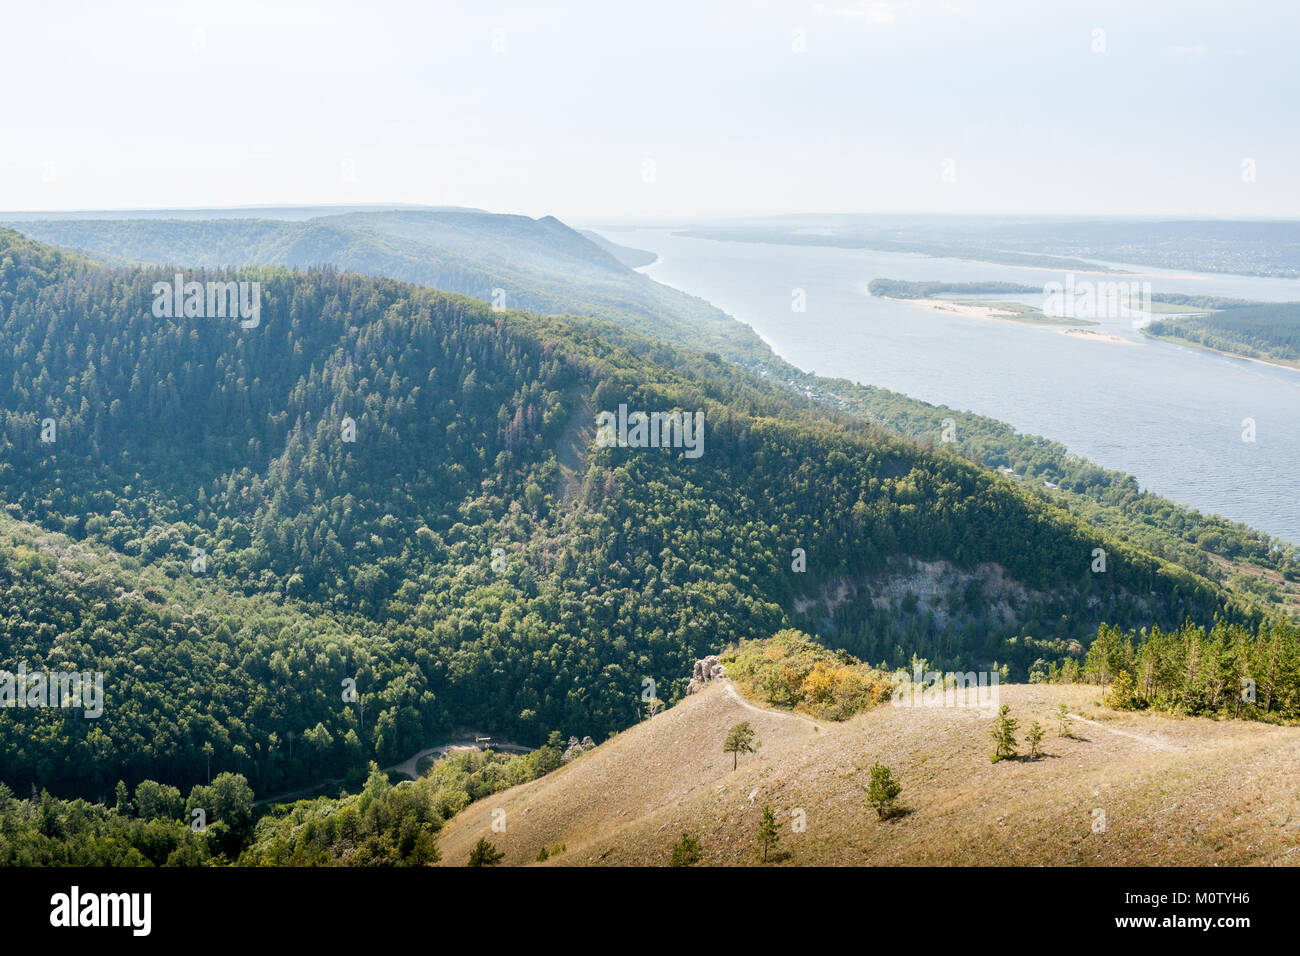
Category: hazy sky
[614,109]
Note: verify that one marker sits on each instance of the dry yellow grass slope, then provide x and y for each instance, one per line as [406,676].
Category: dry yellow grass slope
[1184,791]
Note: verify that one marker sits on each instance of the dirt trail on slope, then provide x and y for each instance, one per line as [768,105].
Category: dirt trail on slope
[1141,738]
[735,695]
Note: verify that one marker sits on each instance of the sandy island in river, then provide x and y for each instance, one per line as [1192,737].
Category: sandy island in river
[989,313]
[966,311]
[1095,336]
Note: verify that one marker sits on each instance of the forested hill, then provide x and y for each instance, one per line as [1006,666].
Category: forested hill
[543,266]
[469,557]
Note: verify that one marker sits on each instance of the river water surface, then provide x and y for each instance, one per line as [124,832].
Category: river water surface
[1169,415]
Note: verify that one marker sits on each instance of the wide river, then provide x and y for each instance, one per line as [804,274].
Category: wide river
[1169,415]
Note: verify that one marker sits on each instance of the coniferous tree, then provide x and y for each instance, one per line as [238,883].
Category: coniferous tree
[740,740]
[1064,722]
[1004,734]
[1035,737]
[883,790]
[484,854]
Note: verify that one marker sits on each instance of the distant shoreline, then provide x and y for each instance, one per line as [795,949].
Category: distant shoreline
[1179,340]
[789,241]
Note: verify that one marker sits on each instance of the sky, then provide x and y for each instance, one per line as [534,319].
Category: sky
[615,111]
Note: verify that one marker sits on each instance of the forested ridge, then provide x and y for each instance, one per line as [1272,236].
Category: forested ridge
[543,266]
[538,265]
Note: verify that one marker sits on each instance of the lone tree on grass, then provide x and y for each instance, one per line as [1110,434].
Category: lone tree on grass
[740,740]
[484,854]
[1004,735]
[686,851]
[883,791]
[768,832]
[1035,736]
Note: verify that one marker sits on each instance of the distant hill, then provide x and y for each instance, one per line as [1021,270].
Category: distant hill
[1243,247]
[539,265]
[286,212]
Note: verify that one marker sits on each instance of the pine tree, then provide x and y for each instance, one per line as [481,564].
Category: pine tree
[1121,691]
[1064,722]
[122,800]
[740,740]
[883,790]
[484,854]
[1004,735]
[1035,737]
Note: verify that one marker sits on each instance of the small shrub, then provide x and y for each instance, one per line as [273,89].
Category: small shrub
[686,851]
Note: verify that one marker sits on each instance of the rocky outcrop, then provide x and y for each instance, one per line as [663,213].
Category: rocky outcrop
[576,748]
[706,671]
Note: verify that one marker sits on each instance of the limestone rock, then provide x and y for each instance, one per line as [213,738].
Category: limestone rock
[577,747]
[706,671]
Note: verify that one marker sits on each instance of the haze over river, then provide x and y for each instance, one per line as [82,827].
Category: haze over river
[1167,414]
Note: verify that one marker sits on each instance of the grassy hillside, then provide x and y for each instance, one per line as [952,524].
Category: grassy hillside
[1187,791]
